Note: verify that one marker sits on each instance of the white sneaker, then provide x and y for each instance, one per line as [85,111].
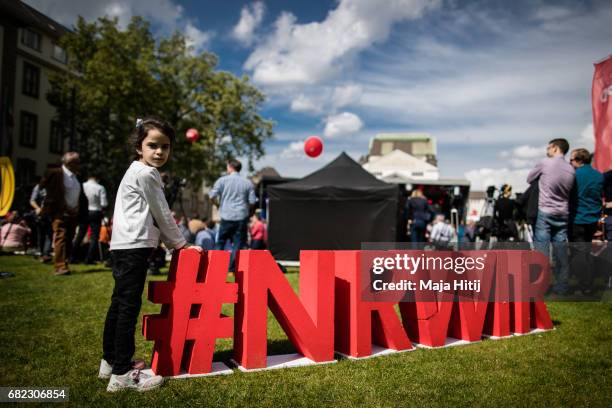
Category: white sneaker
[106,369]
[134,379]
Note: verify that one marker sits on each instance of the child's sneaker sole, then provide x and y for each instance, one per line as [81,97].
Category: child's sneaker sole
[113,389]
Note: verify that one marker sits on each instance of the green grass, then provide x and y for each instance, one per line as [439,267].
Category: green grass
[52,327]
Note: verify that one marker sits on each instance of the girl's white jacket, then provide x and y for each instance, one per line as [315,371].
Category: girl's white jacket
[140,200]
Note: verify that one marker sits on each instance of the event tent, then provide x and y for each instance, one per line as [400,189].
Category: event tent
[339,206]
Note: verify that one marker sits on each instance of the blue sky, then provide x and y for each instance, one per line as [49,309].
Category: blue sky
[493,81]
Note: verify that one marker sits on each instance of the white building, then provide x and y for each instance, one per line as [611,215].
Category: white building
[401,164]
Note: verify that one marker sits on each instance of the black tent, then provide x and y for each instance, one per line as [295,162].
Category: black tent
[337,207]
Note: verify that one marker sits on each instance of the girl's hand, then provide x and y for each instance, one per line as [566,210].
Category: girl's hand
[197,248]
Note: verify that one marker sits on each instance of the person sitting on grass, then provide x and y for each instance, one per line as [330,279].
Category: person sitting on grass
[14,234]
[141,217]
[205,238]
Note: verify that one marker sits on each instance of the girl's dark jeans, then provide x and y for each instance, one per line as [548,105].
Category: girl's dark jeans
[129,272]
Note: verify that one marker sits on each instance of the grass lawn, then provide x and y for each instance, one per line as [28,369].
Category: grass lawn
[51,335]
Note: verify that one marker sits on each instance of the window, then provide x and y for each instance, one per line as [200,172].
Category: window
[421,147]
[29,129]
[31,80]
[31,39]
[26,172]
[386,147]
[56,140]
[60,54]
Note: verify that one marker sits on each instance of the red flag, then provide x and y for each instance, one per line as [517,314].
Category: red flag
[602,114]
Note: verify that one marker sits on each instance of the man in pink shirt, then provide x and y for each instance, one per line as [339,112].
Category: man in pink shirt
[555,180]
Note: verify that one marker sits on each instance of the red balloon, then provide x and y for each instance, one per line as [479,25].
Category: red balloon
[192,135]
[313,146]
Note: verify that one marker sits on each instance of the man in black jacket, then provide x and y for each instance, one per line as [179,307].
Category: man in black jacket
[65,204]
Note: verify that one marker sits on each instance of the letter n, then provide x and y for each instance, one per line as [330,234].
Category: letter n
[307,320]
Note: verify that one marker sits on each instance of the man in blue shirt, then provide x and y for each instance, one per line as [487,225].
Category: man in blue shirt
[236,198]
[585,210]
[587,198]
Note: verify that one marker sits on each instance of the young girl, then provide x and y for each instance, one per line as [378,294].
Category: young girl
[141,218]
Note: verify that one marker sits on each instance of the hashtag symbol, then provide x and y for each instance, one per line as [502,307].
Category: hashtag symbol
[190,320]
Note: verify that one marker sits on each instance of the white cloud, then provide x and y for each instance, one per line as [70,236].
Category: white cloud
[483,81]
[250,18]
[291,161]
[517,88]
[342,124]
[528,152]
[195,38]
[309,53]
[547,13]
[523,155]
[293,151]
[166,13]
[522,159]
[119,11]
[587,138]
[518,163]
[346,95]
[325,98]
[305,104]
[480,179]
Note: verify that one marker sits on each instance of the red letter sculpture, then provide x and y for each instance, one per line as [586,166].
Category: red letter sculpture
[359,323]
[308,320]
[190,319]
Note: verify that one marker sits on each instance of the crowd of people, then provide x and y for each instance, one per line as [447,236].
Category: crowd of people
[566,200]
[573,198]
[58,230]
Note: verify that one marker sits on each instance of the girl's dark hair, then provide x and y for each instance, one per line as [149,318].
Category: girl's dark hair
[142,130]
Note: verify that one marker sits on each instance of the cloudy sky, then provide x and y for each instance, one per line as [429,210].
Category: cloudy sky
[493,81]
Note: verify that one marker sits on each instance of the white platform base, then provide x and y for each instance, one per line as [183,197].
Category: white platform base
[533,331]
[490,337]
[283,361]
[290,263]
[377,351]
[218,368]
[449,342]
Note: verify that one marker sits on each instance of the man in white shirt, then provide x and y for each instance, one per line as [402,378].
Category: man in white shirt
[97,202]
[65,203]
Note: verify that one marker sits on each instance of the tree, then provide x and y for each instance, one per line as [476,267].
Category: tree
[116,76]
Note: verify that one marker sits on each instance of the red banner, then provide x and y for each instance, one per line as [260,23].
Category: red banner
[602,114]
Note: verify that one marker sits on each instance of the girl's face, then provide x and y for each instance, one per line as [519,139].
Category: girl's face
[155,149]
